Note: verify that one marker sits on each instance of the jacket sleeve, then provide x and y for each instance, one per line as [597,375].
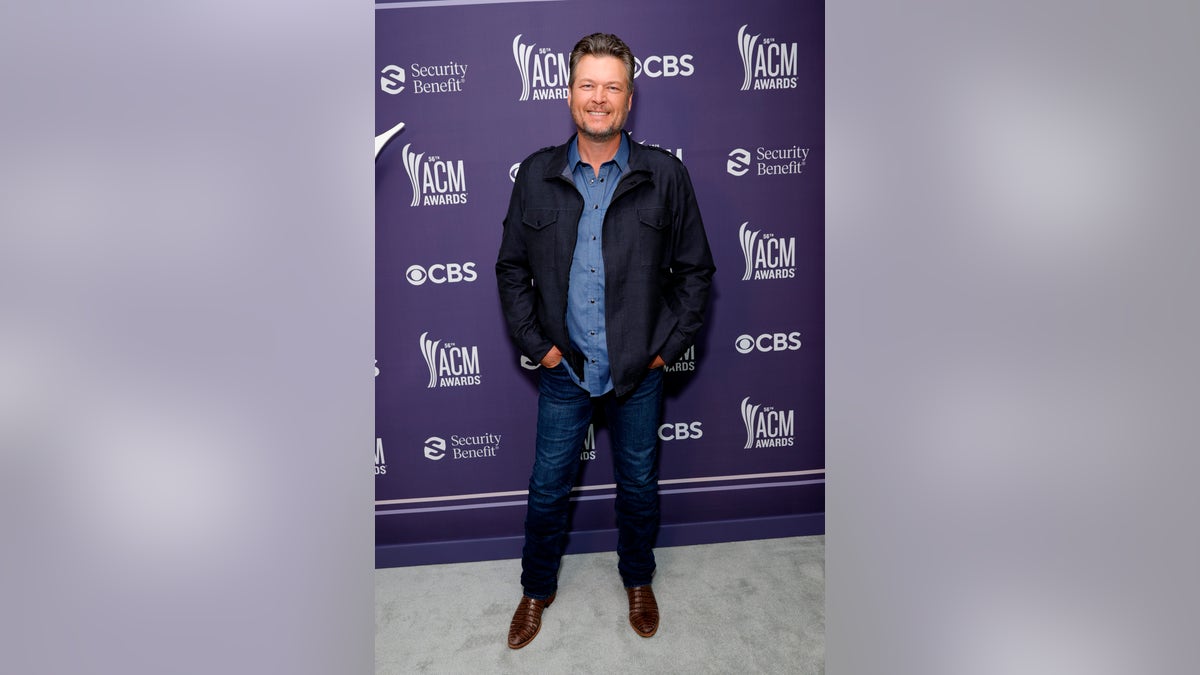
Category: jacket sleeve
[692,270]
[515,281]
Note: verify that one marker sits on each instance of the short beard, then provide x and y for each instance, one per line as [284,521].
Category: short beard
[600,137]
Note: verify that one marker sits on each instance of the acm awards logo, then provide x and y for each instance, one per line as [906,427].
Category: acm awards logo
[544,72]
[588,451]
[678,152]
[767,64]
[380,458]
[768,427]
[686,362]
[767,256]
[435,181]
[450,365]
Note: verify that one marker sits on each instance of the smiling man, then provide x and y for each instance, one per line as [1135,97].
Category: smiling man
[603,272]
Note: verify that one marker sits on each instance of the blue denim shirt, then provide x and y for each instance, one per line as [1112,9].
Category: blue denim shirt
[585,294]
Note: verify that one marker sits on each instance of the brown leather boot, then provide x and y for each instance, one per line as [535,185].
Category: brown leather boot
[526,621]
[643,610]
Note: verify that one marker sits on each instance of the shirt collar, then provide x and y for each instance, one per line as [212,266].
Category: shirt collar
[621,158]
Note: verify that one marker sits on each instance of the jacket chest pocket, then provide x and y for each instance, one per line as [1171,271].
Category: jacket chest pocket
[653,235]
[540,228]
[539,219]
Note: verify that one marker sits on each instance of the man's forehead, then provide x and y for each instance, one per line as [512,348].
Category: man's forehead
[598,64]
[601,71]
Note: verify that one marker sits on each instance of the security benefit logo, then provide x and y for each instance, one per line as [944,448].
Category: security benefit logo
[768,256]
[767,63]
[391,80]
[461,446]
[380,458]
[440,78]
[435,181]
[767,426]
[450,364]
[764,161]
[544,72]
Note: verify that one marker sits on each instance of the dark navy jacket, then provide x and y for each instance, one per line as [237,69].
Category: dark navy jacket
[657,263]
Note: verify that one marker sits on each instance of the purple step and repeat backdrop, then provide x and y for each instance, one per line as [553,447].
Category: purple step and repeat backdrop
[736,91]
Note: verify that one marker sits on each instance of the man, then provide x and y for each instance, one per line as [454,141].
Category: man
[604,270]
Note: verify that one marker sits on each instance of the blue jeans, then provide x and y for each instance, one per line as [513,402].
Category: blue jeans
[564,411]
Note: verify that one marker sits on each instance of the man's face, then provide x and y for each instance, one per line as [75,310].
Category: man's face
[600,98]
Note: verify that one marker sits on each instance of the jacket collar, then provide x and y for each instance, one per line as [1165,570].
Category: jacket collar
[558,161]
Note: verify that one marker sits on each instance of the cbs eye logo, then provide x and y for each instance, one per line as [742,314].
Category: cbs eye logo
[739,162]
[744,344]
[449,273]
[391,79]
[668,65]
[768,342]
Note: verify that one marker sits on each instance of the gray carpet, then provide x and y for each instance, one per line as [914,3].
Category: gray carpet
[740,607]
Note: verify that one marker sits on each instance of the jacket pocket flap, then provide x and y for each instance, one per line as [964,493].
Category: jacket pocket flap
[539,218]
[656,217]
